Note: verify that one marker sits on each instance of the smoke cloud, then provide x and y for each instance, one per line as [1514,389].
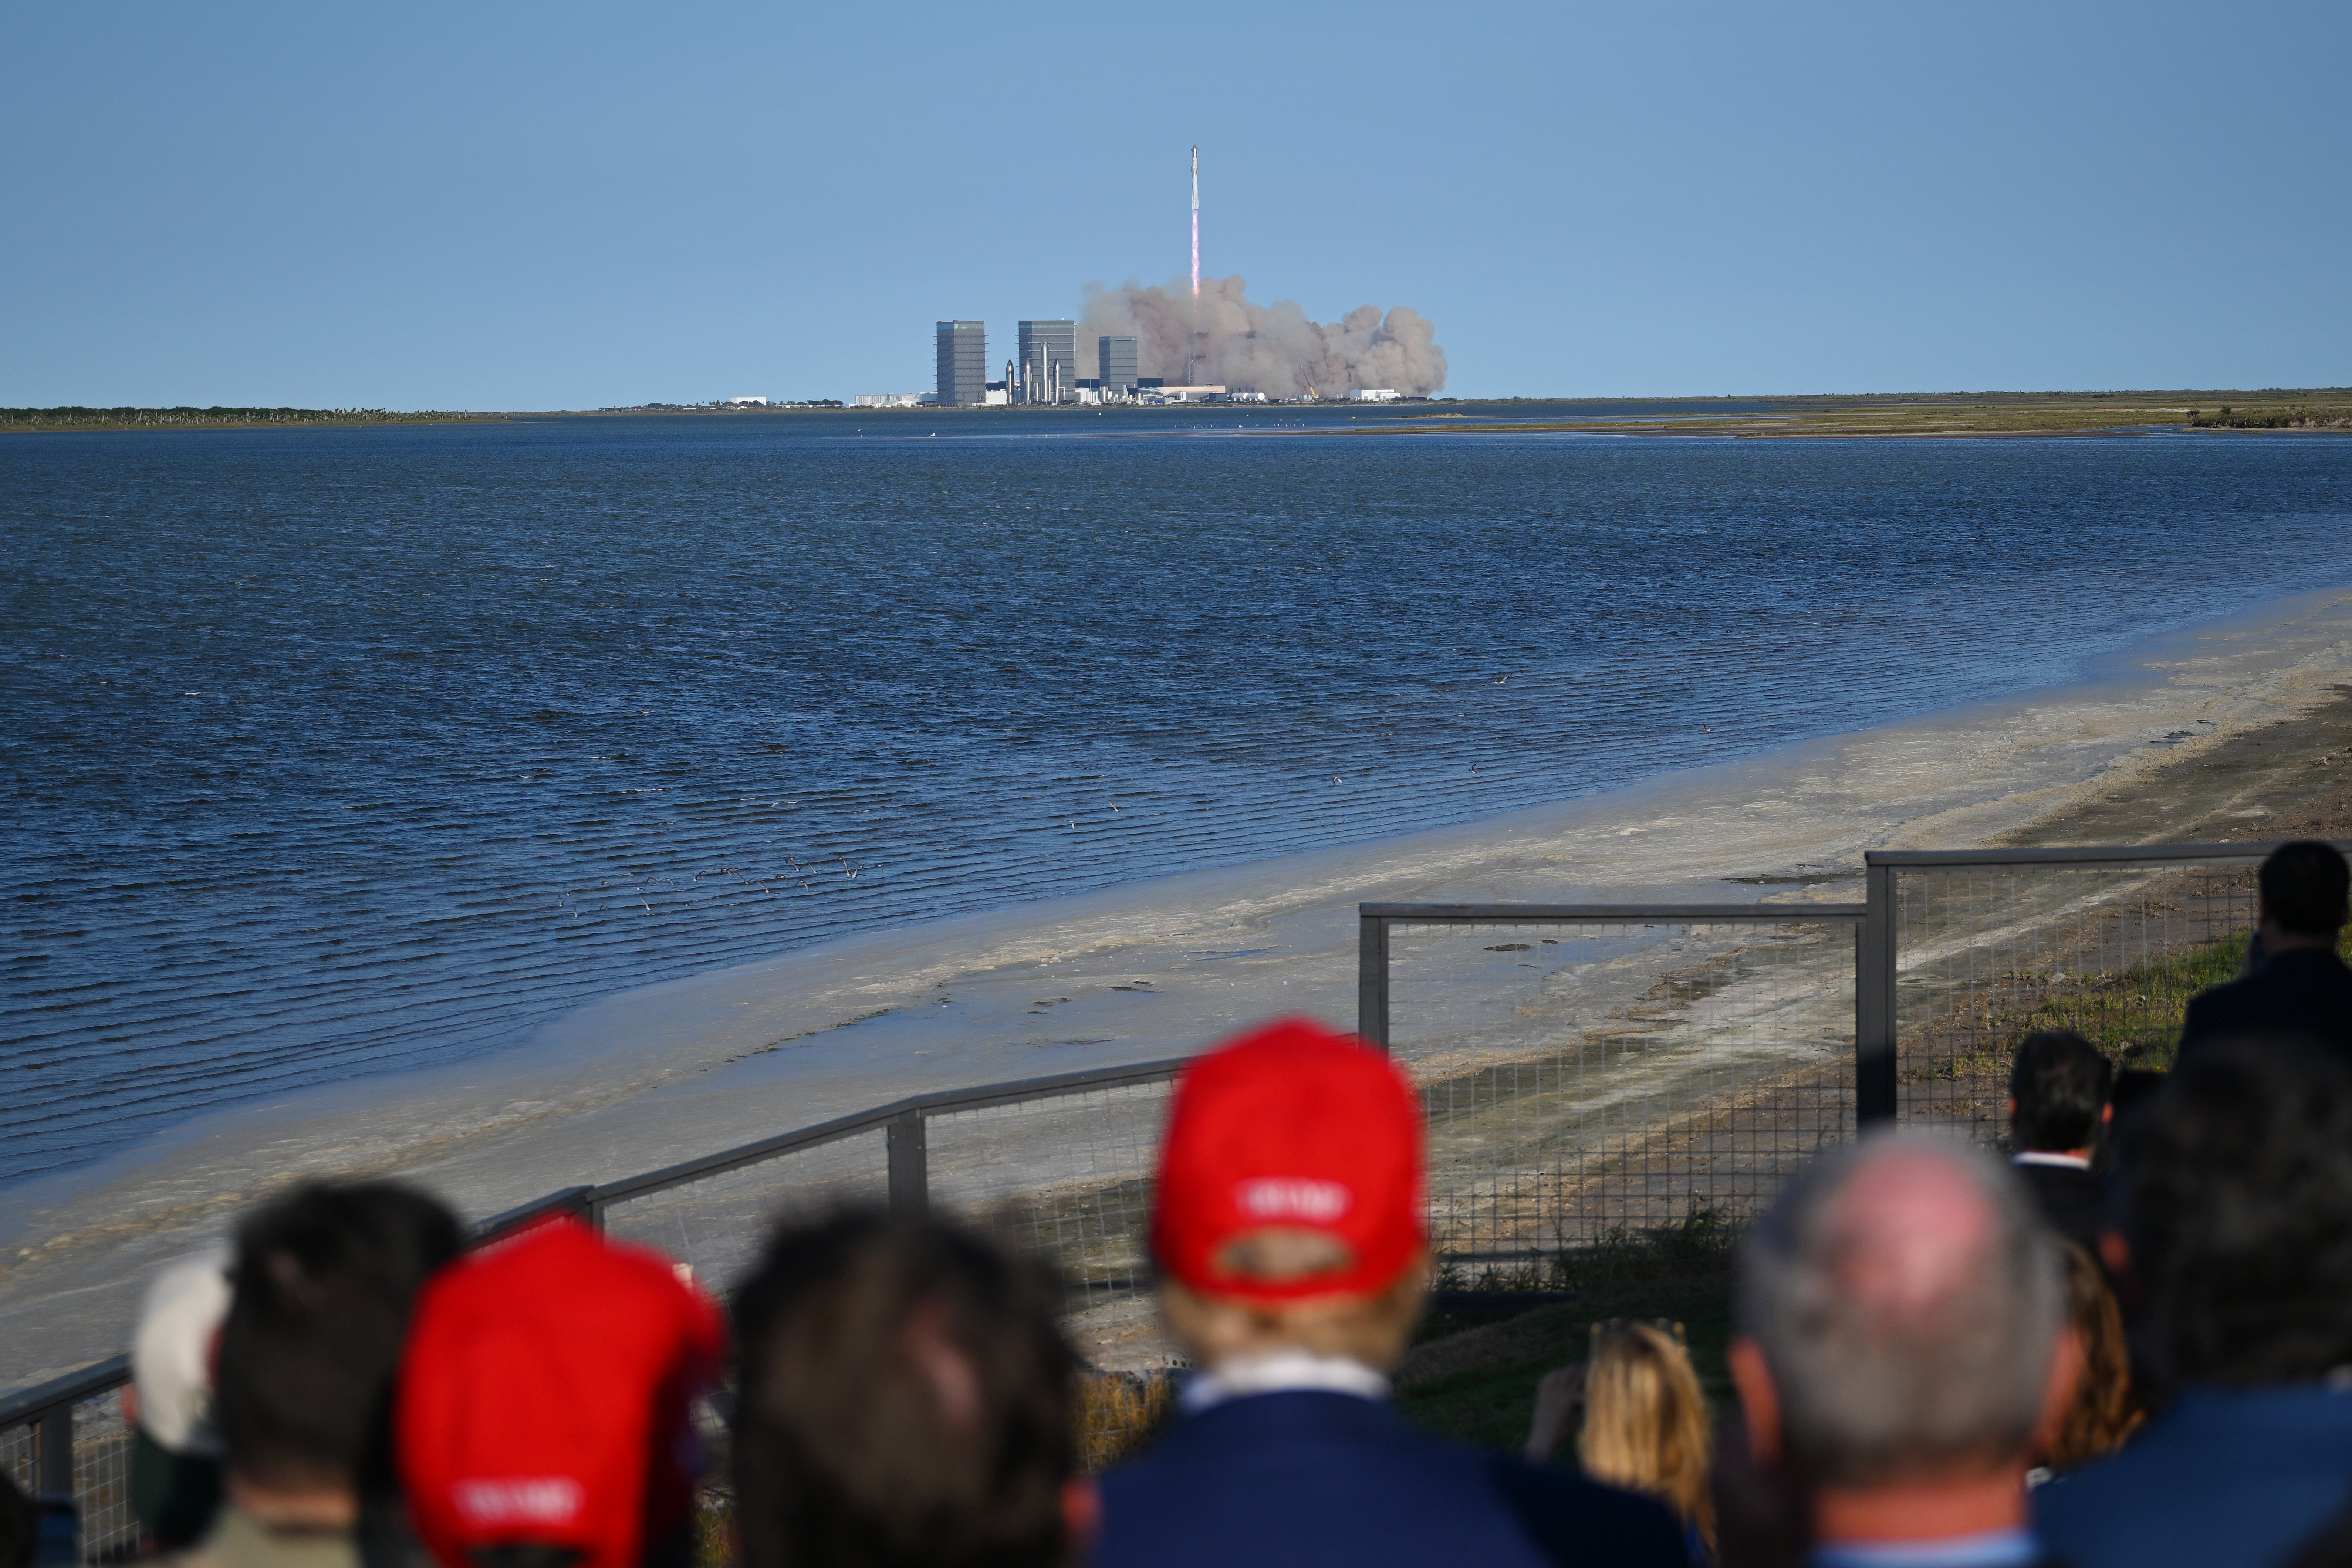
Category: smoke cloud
[1273,349]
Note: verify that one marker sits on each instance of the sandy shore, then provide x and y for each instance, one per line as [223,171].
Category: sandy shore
[2236,728]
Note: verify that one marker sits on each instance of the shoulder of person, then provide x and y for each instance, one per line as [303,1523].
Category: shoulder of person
[1575,1520]
[238,1540]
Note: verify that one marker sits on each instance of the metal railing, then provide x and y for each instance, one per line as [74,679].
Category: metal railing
[1602,1069]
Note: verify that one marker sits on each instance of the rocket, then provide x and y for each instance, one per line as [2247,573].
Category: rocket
[1196,223]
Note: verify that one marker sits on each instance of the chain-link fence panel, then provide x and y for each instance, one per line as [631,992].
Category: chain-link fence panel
[1067,1178]
[719,1224]
[102,1478]
[1592,1078]
[20,1456]
[1989,953]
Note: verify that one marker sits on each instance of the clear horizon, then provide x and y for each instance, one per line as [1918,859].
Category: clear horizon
[591,206]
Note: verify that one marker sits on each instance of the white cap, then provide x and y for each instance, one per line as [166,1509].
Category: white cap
[172,1353]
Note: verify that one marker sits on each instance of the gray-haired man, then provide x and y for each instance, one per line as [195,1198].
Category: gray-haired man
[1903,1342]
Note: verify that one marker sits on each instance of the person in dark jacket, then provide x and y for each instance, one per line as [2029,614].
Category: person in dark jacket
[2300,990]
[1289,1227]
[2236,1247]
[2058,1090]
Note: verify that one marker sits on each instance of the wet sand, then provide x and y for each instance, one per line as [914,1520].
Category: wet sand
[2239,729]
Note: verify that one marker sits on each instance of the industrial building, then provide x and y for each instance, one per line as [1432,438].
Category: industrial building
[963,362]
[1048,366]
[1045,374]
[1115,363]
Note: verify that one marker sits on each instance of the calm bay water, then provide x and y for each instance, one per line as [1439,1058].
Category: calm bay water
[333,752]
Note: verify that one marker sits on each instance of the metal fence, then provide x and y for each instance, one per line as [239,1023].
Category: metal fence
[1599,1070]
[1588,1071]
[1977,948]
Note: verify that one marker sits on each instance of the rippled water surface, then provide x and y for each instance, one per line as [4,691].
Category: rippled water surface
[335,752]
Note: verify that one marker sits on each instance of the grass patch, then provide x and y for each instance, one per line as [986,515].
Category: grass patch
[2134,1016]
[1476,1382]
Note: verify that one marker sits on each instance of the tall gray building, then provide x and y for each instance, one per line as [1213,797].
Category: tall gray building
[1114,359]
[963,361]
[1049,356]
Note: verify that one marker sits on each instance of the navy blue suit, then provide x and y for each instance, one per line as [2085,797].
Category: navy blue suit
[1297,1479]
[2225,1478]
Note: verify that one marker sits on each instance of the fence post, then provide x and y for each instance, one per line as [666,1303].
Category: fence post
[53,1469]
[910,1195]
[1873,1001]
[1372,978]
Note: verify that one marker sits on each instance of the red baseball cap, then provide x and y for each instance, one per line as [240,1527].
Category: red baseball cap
[543,1398]
[1292,1169]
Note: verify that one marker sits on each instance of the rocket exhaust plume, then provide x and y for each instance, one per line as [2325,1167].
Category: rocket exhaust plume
[1196,223]
[1227,339]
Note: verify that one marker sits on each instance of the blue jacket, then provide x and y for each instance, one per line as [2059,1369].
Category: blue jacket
[2225,1478]
[1297,1480]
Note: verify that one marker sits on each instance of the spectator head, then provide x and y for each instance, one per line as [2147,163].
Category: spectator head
[905,1401]
[1902,1319]
[2302,889]
[545,1409]
[1645,1426]
[2059,1086]
[2237,1217]
[1289,1213]
[319,1303]
[175,1483]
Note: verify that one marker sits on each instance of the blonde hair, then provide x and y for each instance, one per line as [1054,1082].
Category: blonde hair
[2106,1407]
[1373,1330]
[1645,1425]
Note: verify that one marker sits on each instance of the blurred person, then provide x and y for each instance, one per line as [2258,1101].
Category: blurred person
[322,1281]
[2133,1086]
[1287,1223]
[2234,1248]
[2302,990]
[19,1525]
[1640,1422]
[175,1447]
[906,1400]
[2106,1409]
[544,1414]
[2331,1547]
[1903,1351]
[1762,1515]
[2059,1089]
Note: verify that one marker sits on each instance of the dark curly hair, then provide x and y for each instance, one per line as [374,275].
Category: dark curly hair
[905,1399]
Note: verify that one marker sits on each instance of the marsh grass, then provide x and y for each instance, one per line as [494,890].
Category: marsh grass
[1119,1412]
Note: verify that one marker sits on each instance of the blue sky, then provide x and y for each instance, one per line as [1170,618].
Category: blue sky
[524,206]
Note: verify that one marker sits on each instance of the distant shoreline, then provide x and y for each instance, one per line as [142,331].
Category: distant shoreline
[1760,418]
[47,421]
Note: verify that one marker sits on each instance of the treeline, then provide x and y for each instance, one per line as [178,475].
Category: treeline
[2298,417]
[70,417]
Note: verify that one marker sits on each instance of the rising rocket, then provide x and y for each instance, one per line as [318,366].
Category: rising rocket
[1196,223]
